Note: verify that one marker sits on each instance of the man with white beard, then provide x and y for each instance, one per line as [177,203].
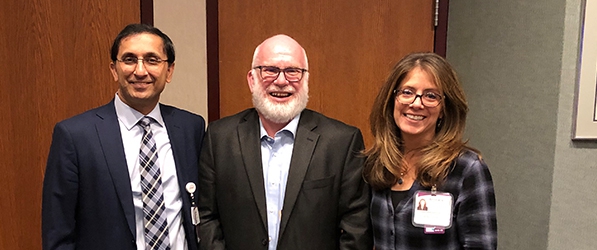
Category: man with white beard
[280,176]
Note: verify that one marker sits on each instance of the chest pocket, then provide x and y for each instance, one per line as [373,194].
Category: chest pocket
[320,183]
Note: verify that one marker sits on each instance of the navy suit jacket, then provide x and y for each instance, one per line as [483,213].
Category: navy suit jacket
[87,197]
[326,205]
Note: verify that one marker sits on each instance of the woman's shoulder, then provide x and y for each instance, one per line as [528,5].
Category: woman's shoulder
[469,175]
[470,162]
[468,155]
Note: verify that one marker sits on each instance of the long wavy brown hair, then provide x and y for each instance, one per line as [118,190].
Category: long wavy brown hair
[385,159]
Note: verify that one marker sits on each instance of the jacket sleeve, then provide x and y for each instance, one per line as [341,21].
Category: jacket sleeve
[355,225]
[59,197]
[210,231]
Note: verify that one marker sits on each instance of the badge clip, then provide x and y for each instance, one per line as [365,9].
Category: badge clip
[191,188]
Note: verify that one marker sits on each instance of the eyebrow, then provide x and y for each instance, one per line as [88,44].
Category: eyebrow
[424,90]
[148,54]
[290,67]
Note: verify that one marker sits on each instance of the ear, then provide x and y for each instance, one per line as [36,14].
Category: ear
[170,72]
[305,79]
[250,80]
[113,71]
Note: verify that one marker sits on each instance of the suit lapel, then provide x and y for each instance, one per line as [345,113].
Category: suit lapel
[304,145]
[179,152]
[111,142]
[177,139]
[250,147]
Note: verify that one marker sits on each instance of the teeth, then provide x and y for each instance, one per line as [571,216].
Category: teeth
[276,94]
[415,117]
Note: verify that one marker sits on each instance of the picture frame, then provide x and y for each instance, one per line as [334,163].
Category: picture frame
[585,115]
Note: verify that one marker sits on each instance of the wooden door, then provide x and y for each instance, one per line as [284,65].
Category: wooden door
[55,57]
[351,46]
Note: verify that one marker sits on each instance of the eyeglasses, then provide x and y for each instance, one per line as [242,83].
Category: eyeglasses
[271,73]
[428,98]
[150,62]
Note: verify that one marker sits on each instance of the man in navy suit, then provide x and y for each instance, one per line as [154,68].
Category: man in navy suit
[93,196]
[279,176]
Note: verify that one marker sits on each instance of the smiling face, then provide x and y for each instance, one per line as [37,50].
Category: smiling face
[141,84]
[416,121]
[276,99]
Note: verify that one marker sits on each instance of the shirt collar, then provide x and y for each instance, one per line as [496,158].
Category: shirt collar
[130,117]
[290,127]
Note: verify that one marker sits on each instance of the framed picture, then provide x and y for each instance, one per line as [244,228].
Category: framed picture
[585,125]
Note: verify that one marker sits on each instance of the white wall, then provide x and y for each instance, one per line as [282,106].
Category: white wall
[185,22]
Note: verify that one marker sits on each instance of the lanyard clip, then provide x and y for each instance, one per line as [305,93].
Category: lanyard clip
[191,188]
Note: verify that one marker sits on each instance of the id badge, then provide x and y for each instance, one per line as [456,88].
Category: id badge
[432,210]
[195,215]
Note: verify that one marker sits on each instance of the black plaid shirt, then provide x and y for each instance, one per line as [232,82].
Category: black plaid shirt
[474,224]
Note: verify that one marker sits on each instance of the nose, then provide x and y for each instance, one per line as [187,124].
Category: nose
[140,69]
[281,79]
[419,103]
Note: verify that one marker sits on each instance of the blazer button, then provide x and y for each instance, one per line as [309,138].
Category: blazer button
[264,242]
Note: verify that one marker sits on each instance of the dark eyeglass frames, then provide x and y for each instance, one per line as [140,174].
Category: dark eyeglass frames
[408,96]
[291,74]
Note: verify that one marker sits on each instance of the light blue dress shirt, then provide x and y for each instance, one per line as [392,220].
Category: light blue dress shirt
[276,154]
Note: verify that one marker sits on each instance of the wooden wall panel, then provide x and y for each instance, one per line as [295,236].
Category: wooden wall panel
[351,46]
[55,58]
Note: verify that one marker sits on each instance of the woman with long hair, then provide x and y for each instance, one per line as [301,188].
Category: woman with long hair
[418,121]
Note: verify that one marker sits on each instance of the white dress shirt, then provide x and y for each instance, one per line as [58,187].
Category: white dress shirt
[132,134]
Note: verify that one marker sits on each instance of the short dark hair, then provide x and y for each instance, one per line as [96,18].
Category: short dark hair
[138,28]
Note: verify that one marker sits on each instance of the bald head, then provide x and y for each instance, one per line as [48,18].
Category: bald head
[280,47]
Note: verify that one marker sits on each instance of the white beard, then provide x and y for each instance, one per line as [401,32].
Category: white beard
[280,112]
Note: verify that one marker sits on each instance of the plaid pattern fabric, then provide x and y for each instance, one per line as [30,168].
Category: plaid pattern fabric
[156,225]
[474,224]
